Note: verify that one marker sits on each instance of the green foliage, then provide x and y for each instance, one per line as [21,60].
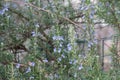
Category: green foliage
[38,39]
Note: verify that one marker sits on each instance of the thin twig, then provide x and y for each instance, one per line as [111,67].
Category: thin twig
[67,19]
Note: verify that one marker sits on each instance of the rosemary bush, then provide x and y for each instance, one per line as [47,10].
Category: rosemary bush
[52,39]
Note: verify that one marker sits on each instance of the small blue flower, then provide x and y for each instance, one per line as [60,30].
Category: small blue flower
[3,10]
[91,15]
[107,4]
[33,34]
[80,67]
[28,70]
[59,50]
[70,62]
[18,65]
[95,41]
[84,8]
[31,78]
[59,59]
[63,56]
[69,47]
[75,61]
[32,64]
[60,44]
[45,61]
[54,37]
[55,50]
[61,38]
[90,44]
[37,25]
[75,75]
[57,38]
